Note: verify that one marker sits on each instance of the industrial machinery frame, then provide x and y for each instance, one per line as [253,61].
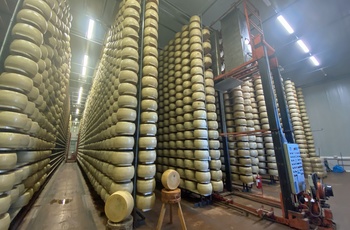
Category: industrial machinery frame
[303,210]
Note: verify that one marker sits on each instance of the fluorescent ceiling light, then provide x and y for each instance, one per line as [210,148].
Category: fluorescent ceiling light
[79,95]
[83,71]
[90,29]
[85,62]
[77,112]
[76,119]
[314,61]
[285,24]
[303,46]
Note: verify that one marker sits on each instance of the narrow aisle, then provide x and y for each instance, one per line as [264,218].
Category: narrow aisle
[65,203]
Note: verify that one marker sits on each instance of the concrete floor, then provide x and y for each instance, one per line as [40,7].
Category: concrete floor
[67,203]
[340,203]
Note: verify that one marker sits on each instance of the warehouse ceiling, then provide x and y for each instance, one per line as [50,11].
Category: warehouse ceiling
[323,25]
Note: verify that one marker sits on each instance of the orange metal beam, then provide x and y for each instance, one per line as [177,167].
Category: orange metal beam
[234,70]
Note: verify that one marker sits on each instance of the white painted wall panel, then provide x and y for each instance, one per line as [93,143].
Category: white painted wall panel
[328,107]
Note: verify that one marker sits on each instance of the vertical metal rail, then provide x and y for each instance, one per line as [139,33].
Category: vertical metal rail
[7,39]
[277,134]
[287,125]
[228,180]
[138,110]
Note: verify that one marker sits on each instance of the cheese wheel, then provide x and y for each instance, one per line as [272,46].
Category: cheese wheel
[16,81]
[22,200]
[119,206]
[121,142]
[12,100]
[201,133]
[124,128]
[204,189]
[146,171]
[21,65]
[7,160]
[7,181]
[5,202]
[5,221]
[190,185]
[120,158]
[201,165]
[120,174]
[201,154]
[170,179]
[273,172]
[27,32]
[127,186]
[145,203]
[202,177]
[246,179]
[146,186]
[218,186]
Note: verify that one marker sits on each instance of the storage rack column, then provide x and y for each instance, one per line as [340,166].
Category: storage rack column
[217,67]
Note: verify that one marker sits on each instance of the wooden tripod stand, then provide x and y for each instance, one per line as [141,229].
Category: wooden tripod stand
[171,197]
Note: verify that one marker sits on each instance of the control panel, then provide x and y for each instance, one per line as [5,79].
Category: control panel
[295,167]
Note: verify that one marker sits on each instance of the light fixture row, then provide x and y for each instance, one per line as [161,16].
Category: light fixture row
[89,34]
[300,42]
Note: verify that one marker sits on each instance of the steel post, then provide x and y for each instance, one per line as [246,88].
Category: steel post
[277,134]
[287,125]
[228,180]
[216,67]
[136,213]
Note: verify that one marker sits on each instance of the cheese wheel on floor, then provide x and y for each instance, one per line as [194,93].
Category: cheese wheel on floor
[119,206]
[170,179]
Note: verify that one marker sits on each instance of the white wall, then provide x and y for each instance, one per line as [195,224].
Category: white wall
[328,107]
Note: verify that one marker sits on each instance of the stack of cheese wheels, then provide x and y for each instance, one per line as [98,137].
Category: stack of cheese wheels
[213,134]
[181,66]
[249,98]
[268,142]
[34,106]
[148,129]
[257,126]
[108,124]
[200,106]
[316,163]
[172,102]
[242,149]
[184,136]
[160,123]
[165,110]
[183,109]
[298,128]
[230,127]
